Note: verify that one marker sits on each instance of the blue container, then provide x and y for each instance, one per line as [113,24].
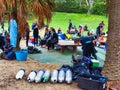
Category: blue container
[21,55]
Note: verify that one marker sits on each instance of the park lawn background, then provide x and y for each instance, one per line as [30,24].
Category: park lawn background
[61,20]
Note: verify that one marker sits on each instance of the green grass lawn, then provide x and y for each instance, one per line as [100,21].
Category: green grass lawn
[61,20]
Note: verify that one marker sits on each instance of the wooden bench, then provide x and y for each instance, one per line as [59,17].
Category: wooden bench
[65,43]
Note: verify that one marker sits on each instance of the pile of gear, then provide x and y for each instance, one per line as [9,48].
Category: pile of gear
[87,71]
[33,50]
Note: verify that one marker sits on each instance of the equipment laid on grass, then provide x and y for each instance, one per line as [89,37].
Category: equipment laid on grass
[20,74]
[39,75]
[31,76]
[54,76]
[68,78]
[46,76]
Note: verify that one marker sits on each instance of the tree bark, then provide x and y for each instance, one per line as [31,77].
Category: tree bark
[112,63]
[15,12]
[90,6]
[87,3]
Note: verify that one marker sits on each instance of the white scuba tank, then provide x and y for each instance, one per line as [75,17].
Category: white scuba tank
[39,76]
[54,77]
[61,76]
[31,76]
[68,78]
[20,74]
[46,76]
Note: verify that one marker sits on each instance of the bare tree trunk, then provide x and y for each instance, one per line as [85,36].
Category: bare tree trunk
[87,2]
[90,6]
[15,14]
[112,63]
[80,2]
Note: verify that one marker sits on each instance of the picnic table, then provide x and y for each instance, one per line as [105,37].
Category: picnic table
[65,43]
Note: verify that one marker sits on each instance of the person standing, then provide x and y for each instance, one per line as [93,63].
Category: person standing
[70,25]
[13,31]
[35,32]
[2,26]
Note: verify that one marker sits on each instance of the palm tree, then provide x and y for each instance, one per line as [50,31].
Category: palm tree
[112,63]
[42,9]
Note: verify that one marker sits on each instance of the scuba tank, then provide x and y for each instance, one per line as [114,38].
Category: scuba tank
[31,76]
[68,76]
[46,76]
[39,76]
[20,74]
[61,76]
[54,77]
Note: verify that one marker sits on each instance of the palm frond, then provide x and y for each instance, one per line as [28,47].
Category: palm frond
[43,10]
[21,26]
[22,9]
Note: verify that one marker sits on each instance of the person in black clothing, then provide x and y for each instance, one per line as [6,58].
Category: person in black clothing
[35,32]
[46,36]
[99,31]
[27,32]
[53,39]
[70,25]
[88,47]
[2,42]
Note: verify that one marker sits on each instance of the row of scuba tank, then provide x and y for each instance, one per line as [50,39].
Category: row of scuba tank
[45,75]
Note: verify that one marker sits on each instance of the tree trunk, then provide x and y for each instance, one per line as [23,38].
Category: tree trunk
[90,6]
[15,12]
[112,63]
[87,3]
[80,2]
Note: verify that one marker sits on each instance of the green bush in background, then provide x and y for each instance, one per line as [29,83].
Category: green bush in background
[99,8]
[74,6]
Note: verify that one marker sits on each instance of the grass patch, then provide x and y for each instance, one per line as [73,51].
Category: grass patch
[61,20]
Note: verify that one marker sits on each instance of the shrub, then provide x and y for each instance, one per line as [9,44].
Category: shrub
[99,8]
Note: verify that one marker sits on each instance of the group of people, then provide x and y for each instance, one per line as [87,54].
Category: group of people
[73,30]
[50,38]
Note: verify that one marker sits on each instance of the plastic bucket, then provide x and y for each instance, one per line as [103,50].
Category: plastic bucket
[21,55]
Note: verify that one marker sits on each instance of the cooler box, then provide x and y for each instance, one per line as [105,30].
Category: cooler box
[95,63]
[21,55]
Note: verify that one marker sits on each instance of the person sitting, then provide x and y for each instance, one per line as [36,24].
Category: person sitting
[53,39]
[92,36]
[9,53]
[101,40]
[59,31]
[46,36]
[73,30]
[85,28]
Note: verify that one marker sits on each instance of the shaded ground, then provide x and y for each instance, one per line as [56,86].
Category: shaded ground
[56,57]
